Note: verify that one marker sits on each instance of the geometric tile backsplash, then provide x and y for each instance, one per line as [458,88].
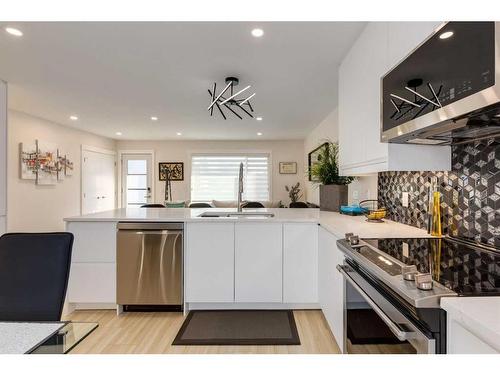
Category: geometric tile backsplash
[470,206]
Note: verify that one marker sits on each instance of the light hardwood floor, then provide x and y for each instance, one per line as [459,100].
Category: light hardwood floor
[153,332]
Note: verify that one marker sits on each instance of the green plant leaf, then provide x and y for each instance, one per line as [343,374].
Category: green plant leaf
[326,171]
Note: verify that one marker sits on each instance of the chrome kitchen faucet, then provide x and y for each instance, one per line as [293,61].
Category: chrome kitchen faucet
[240,187]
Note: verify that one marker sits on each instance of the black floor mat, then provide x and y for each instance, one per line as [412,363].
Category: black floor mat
[238,327]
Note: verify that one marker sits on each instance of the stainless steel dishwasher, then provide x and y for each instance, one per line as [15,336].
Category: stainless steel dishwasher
[149,266]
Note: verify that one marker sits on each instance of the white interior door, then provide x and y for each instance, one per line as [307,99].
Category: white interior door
[98,182]
[137,179]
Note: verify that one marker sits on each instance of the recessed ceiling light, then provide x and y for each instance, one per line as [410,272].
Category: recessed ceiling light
[257,33]
[179,133]
[154,118]
[118,133]
[13,31]
[258,118]
[259,133]
[73,117]
[446,35]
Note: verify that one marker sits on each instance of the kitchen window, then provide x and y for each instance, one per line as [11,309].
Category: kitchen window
[215,177]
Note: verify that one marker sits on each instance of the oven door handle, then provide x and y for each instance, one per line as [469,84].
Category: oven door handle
[401,335]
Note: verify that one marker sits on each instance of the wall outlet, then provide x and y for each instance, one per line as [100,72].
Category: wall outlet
[405,198]
[406,250]
[355,194]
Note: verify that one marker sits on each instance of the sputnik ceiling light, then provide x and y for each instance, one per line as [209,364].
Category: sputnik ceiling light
[231,102]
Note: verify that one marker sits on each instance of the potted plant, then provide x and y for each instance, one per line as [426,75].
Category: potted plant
[294,192]
[325,172]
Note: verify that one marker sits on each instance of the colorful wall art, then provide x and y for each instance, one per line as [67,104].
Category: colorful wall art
[43,162]
[64,165]
[28,160]
[47,163]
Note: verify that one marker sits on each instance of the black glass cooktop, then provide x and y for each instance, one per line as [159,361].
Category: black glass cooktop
[467,269]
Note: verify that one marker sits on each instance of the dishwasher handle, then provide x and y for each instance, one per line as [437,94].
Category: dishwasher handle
[159,232]
[149,226]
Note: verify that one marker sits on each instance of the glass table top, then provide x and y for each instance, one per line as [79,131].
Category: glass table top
[66,338]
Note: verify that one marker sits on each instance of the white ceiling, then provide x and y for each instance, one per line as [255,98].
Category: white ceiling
[115,76]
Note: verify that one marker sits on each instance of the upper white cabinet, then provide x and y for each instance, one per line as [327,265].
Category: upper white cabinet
[258,262]
[380,46]
[3,154]
[209,262]
[300,263]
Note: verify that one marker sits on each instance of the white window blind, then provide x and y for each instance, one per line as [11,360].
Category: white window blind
[215,176]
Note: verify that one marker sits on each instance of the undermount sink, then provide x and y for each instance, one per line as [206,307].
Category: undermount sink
[260,215]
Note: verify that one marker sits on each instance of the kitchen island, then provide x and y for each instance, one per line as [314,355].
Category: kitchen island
[254,262]
[229,262]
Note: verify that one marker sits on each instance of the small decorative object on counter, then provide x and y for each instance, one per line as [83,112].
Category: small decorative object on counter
[353,210]
[294,192]
[373,211]
[323,170]
[434,218]
[436,214]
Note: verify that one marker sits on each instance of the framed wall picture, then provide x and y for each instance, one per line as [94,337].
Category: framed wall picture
[176,170]
[314,156]
[288,167]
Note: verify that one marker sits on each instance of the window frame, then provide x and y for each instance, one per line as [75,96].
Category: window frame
[243,152]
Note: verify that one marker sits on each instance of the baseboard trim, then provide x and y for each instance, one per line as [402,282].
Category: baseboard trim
[94,306]
[251,306]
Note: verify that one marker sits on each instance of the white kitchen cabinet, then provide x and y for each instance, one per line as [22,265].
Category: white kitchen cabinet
[209,257]
[258,262]
[331,285]
[3,156]
[379,47]
[92,283]
[93,263]
[95,242]
[300,263]
[460,340]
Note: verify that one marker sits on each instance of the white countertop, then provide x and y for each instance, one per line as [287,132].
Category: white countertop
[334,222]
[480,315]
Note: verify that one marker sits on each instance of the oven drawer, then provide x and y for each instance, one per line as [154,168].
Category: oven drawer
[395,333]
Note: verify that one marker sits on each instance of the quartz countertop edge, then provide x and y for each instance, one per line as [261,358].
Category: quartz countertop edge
[333,222]
[479,315]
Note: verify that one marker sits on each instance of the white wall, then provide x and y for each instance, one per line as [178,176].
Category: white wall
[33,207]
[180,151]
[3,156]
[364,186]
[327,130]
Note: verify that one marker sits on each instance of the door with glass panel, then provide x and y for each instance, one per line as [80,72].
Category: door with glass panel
[136,180]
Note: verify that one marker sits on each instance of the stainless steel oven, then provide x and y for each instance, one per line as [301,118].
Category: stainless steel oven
[376,325]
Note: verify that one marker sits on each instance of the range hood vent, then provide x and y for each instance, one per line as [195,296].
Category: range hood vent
[447,91]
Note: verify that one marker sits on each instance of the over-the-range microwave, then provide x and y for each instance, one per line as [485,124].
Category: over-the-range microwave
[447,91]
